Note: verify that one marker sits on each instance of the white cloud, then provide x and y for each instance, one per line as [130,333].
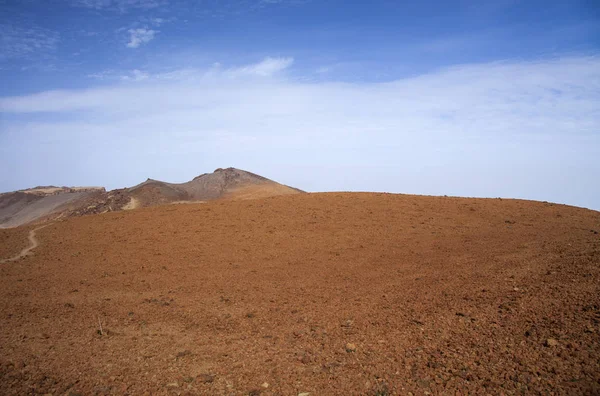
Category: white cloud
[140,36]
[525,129]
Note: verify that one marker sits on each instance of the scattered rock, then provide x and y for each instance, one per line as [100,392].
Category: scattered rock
[205,378]
[305,359]
[173,385]
[265,385]
[350,347]
[304,394]
[424,383]
[551,342]
[183,353]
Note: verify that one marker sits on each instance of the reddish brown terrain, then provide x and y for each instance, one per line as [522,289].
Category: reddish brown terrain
[320,294]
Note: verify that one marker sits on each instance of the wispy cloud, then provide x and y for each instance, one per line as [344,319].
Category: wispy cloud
[156,21]
[19,42]
[264,3]
[145,21]
[135,75]
[324,69]
[140,36]
[268,67]
[526,129]
[119,5]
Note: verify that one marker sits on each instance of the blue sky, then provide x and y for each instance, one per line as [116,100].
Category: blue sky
[470,98]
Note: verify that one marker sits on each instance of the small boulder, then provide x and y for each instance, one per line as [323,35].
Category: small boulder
[205,378]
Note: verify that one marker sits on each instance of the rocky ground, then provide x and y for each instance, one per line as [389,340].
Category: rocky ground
[318,294]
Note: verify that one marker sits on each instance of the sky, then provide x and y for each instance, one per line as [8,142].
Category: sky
[462,98]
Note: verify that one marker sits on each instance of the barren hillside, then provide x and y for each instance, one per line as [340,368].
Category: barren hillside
[45,203]
[25,206]
[222,183]
[332,294]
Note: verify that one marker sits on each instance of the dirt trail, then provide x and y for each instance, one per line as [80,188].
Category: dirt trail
[33,243]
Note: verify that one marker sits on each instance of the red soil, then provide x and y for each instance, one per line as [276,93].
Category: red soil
[322,293]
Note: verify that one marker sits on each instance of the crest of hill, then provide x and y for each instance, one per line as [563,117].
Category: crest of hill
[229,183]
[44,203]
[44,191]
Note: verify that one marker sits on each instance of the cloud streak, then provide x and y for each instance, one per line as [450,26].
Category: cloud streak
[268,67]
[520,129]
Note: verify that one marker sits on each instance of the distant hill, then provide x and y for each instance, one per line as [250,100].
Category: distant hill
[25,206]
[50,202]
[222,183]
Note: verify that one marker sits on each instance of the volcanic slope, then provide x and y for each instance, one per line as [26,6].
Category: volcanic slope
[25,206]
[49,203]
[229,183]
[332,294]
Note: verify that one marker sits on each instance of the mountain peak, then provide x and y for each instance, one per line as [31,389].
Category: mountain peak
[223,183]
